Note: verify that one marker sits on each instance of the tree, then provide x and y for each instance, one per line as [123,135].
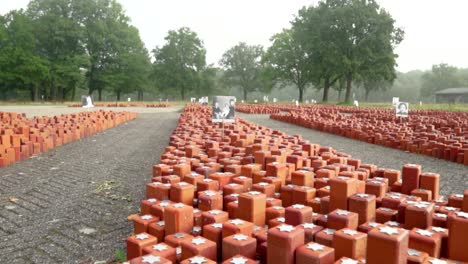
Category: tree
[442,76]
[20,66]
[59,41]
[348,38]
[289,62]
[243,68]
[180,63]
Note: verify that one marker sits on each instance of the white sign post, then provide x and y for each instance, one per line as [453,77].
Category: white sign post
[402,109]
[395,101]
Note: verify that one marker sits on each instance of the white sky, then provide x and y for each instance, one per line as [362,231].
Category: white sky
[436,30]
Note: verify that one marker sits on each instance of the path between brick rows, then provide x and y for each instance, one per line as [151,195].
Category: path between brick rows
[454,176]
[58,217]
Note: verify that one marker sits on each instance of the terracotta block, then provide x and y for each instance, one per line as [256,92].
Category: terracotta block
[244,181]
[273,180]
[182,192]
[214,233]
[298,214]
[234,169]
[350,243]
[301,194]
[162,250]
[274,212]
[392,200]
[410,177]
[282,242]
[193,178]
[252,206]
[431,260]
[321,182]
[157,230]
[207,185]
[430,181]
[302,178]
[325,173]
[384,214]
[339,219]
[157,209]
[392,176]
[273,202]
[458,228]
[258,176]
[315,204]
[265,188]
[364,205]
[310,229]
[439,220]
[214,216]
[425,195]
[233,209]
[239,259]
[136,243]
[426,241]
[150,258]
[205,171]
[416,257]
[260,157]
[178,218]
[182,169]
[199,246]
[419,215]
[277,169]
[171,179]
[233,188]
[239,244]
[223,178]
[247,170]
[377,188]
[341,188]
[324,191]
[286,192]
[315,253]
[159,169]
[387,245]
[237,226]
[141,222]
[145,205]
[455,200]
[158,190]
[175,239]
[325,237]
[368,226]
[210,200]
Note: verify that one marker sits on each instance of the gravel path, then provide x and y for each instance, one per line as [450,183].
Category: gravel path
[454,176]
[60,212]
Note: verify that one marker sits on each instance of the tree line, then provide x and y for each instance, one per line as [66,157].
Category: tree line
[55,47]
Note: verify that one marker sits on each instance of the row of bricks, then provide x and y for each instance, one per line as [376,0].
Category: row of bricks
[124,105]
[423,133]
[188,177]
[21,138]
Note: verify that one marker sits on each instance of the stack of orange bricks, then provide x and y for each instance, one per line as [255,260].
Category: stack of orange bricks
[21,137]
[124,105]
[440,134]
[258,195]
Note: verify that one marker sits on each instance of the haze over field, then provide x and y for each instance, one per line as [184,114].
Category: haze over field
[433,29]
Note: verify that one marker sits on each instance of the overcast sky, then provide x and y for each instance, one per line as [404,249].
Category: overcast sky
[435,30]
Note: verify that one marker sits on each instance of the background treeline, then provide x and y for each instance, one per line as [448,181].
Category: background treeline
[336,50]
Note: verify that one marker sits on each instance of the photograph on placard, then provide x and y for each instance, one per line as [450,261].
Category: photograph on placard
[224,108]
[402,109]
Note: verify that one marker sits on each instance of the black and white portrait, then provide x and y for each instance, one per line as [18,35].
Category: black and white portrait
[224,108]
[402,109]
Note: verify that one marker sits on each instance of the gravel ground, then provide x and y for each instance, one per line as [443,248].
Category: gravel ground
[54,207]
[51,110]
[454,176]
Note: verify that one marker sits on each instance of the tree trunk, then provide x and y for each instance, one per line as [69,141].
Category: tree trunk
[73,93]
[99,94]
[339,95]
[118,95]
[301,94]
[367,94]
[140,96]
[326,88]
[245,94]
[182,93]
[349,82]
